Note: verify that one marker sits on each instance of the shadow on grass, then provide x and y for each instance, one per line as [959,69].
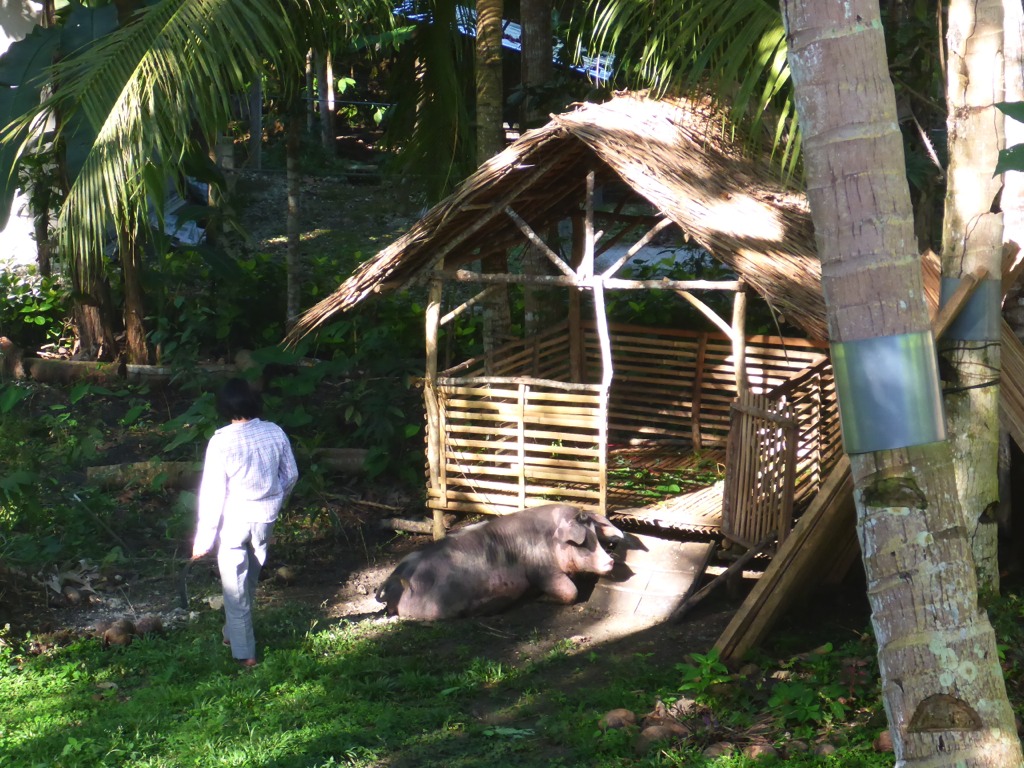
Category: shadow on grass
[364,692]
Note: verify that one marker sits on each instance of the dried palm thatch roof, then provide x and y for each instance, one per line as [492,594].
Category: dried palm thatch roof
[674,153]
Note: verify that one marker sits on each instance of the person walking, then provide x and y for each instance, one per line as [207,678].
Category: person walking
[248,472]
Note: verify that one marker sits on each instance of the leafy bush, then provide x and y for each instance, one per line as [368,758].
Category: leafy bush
[206,304]
[35,309]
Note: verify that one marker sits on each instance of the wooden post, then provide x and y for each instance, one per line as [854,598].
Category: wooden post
[698,388]
[524,391]
[586,268]
[576,365]
[739,339]
[434,436]
[601,321]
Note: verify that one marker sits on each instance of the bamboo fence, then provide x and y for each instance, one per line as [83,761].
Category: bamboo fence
[514,431]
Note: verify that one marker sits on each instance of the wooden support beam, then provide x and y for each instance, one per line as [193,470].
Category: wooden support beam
[468,304]
[739,336]
[948,311]
[708,312]
[611,284]
[643,241]
[435,440]
[689,603]
[607,373]
[586,267]
[539,243]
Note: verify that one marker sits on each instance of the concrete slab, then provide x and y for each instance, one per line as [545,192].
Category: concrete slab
[654,576]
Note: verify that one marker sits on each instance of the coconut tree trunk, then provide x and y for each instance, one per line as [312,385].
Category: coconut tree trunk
[490,140]
[942,684]
[536,62]
[490,133]
[293,148]
[134,303]
[973,237]
[1012,201]
[539,304]
[93,310]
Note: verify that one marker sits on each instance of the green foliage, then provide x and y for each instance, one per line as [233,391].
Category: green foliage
[431,120]
[734,51]
[702,674]
[1011,158]
[48,435]
[206,303]
[35,309]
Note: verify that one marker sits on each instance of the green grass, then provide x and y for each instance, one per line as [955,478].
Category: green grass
[372,693]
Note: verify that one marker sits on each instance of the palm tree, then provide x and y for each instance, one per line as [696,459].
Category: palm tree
[152,90]
[937,650]
[972,239]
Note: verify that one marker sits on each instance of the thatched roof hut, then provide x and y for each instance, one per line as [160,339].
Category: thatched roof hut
[676,154]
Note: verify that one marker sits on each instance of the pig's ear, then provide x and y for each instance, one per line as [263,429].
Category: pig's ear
[571,530]
[606,531]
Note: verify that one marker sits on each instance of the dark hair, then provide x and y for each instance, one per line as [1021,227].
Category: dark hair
[237,400]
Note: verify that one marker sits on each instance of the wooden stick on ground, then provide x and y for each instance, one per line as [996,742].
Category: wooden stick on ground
[684,607]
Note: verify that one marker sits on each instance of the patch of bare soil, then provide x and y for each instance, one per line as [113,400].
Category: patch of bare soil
[338,582]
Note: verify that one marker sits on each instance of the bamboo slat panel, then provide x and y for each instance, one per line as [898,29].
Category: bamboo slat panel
[761,459]
[512,444]
[516,432]
[544,356]
[1011,390]
[781,447]
[664,378]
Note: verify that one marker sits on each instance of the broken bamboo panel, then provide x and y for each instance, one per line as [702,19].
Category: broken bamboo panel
[830,517]
[691,600]
[1011,390]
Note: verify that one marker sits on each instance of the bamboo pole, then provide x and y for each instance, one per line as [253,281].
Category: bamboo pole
[468,304]
[708,312]
[575,302]
[698,386]
[636,247]
[430,400]
[468,276]
[586,267]
[601,318]
[537,241]
[739,333]
[524,390]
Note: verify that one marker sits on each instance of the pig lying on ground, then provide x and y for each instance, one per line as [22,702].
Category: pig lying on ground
[488,566]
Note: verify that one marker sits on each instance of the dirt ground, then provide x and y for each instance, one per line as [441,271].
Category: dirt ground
[338,583]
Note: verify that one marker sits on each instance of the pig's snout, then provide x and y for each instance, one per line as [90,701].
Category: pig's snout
[603,562]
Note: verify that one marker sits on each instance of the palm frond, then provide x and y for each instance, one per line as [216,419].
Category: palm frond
[734,50]
[149,88]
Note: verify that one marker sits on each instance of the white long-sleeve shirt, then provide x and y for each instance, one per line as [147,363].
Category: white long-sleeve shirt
[248,472]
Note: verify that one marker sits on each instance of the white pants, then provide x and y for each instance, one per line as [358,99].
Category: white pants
[240,556]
